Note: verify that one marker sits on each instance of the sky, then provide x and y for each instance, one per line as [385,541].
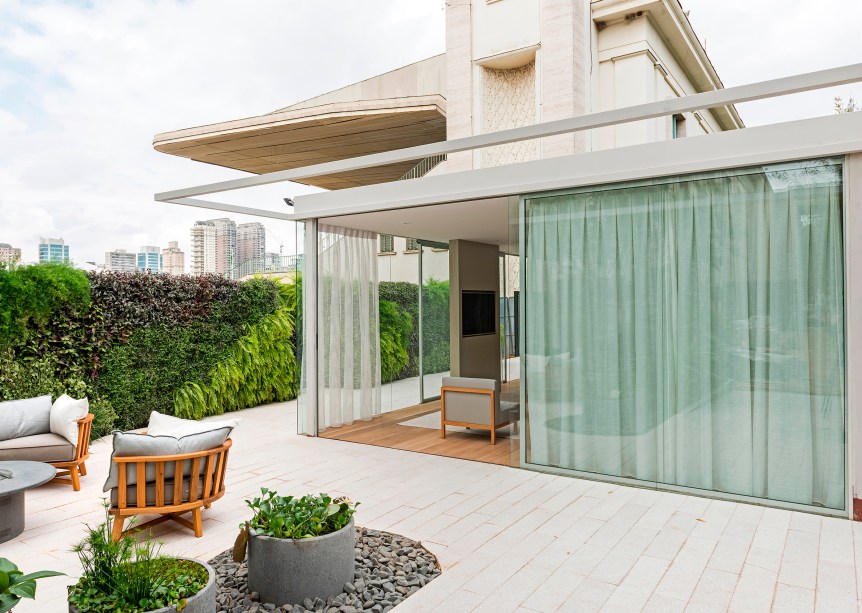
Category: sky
[85,85]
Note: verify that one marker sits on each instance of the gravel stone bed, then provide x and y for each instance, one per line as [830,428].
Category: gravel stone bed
[389,568]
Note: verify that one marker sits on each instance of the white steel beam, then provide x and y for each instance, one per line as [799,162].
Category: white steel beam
[722,97]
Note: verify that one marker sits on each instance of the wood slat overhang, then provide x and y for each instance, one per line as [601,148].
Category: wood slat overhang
[296,138]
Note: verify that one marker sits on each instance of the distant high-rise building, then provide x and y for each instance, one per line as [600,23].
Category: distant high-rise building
[250,246]
[120,260]
[150,258]
[53,250]
[173,259]
[9,254]
[203,257]
[225,246]
[250,241]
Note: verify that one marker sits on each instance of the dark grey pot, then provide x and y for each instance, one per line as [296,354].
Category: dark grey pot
[202,602]
[287,571]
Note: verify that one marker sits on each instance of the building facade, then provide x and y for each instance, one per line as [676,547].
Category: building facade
[682,305]
[203,255]
[173,259]
[150,259]
[9,254]
[121,260]
[225,246]
[250,244]
[53,250]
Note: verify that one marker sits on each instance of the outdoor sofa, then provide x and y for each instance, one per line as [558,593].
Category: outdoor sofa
[57,433]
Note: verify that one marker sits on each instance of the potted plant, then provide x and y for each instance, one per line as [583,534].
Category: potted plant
[298,548]
[15,585]
[131,577]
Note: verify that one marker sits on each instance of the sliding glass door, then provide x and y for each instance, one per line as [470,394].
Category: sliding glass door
[690,332]
[433,317]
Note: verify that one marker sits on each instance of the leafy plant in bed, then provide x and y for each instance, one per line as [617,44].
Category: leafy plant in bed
[131,577]
[298,548]
[15,585]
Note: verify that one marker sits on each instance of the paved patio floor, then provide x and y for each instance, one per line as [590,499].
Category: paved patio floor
[507,539]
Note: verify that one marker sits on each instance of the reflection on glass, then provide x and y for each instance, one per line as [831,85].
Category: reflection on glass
[435,319]
[690,332]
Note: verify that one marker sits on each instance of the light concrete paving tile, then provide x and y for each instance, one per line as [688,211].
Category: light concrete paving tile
[514,592]
[461,601]
[661,511]
[799,562]
[805,522]
[562,547]
[617,526]
[458,529]
[564,519]
[613,503]
[715,589]
[792,599]
[554,591]
[685,571]
[589,596]
[636,589]
[754,591]
[768,559]
[715,520]
[664,604]
[730,552]
[836,540]
[836,586]
[672,536]
[616,565]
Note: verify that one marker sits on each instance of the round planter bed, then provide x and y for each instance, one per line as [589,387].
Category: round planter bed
[290,570]
[202,602]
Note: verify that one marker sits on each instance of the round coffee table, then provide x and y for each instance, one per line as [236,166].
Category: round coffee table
[25,476]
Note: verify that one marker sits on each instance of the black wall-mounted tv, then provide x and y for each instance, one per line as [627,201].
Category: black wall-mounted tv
[477,313]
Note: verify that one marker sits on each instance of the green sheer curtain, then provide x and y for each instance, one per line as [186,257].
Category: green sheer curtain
[690,332]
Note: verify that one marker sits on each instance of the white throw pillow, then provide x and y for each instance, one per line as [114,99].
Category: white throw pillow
[65,413]
[167,425]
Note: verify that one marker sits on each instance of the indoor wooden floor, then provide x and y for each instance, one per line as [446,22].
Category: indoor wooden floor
[385,431]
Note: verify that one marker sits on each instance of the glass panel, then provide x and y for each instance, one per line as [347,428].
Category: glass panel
[434,320]
[399,325]
[689,331]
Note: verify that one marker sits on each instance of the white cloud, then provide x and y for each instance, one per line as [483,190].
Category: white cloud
[100,82]
[84,88]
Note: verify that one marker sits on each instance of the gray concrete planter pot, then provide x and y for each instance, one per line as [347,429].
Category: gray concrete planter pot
[287,571]
[202,602]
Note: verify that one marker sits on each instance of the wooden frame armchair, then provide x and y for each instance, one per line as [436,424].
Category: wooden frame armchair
[461,404]
[68,472]
[197,481]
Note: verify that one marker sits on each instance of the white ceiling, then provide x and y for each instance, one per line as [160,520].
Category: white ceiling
[483,221]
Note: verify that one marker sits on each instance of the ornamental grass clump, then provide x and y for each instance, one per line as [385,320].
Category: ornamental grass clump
[131,577]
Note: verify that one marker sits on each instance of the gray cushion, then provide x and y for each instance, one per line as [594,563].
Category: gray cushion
[472,383]
[47,447]
[25,417]
[134,444]
[132,493]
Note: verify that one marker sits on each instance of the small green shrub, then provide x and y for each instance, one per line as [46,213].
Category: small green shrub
[130,577]
[15,585]
[298,518]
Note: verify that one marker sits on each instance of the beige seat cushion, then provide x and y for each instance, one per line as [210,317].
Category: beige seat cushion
[47,447]
[132,493]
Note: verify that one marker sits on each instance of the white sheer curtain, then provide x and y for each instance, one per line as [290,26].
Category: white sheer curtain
[348,327]
[691,332]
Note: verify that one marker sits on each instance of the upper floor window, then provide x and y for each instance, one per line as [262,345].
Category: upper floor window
[387,243]
[412,245]
[677,126]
